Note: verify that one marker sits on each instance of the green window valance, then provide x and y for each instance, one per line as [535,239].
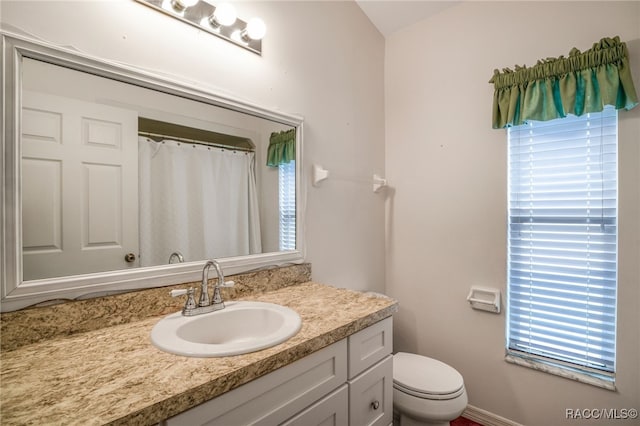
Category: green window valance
[554,87]
[282,148]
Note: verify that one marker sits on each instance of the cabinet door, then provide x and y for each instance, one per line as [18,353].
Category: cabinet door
[371,396]
[368,346]
[332,410]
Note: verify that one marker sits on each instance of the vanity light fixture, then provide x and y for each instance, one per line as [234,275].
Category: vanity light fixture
[219,20]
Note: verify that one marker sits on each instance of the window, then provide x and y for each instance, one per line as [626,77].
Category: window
[287,203]
[562,260]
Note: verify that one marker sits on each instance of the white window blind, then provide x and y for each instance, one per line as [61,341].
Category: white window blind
[563,242]
[287,203]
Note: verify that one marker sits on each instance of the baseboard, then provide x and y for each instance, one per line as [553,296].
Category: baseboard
[485,418]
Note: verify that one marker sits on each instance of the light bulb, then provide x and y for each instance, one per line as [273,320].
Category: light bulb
[225,14]
[256,29]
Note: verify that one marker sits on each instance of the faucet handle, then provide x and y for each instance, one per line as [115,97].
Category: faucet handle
[190,303]
[180,292]
[228,284]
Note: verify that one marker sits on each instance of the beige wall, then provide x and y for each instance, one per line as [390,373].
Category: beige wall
[322,60]
[446,213]
[446,223]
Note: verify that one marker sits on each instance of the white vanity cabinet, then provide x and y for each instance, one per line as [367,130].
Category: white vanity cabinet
[346,383]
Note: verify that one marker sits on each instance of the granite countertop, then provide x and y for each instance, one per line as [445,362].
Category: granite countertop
[114,375]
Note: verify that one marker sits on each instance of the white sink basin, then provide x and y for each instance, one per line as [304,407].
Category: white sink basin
[241,327]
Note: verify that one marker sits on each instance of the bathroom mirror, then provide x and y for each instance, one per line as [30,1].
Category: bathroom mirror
[116,207]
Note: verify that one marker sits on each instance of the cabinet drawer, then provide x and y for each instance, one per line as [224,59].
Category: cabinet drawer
[371,396]
[332,410]
[276,397]
[369,346]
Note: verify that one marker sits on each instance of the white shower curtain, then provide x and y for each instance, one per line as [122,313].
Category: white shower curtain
[197,200]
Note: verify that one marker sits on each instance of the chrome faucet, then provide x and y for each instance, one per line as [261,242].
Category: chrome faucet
[204,289]
[204,303]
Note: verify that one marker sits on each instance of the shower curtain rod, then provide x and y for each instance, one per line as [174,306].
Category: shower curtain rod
[193,141]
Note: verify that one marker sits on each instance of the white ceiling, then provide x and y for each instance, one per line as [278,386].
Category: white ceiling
[391,15]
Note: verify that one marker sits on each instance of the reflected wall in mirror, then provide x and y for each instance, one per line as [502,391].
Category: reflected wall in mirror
[119,174]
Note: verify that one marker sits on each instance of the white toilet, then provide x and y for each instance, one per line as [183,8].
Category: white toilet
[426,391]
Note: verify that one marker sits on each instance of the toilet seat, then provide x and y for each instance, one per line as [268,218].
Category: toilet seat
[426,378]
[426,395]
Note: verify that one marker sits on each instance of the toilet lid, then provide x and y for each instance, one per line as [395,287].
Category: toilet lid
[425,376]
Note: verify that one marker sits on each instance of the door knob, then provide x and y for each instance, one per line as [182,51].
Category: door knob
[129,257]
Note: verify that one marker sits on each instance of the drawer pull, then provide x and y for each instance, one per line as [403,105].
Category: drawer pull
[375,405]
